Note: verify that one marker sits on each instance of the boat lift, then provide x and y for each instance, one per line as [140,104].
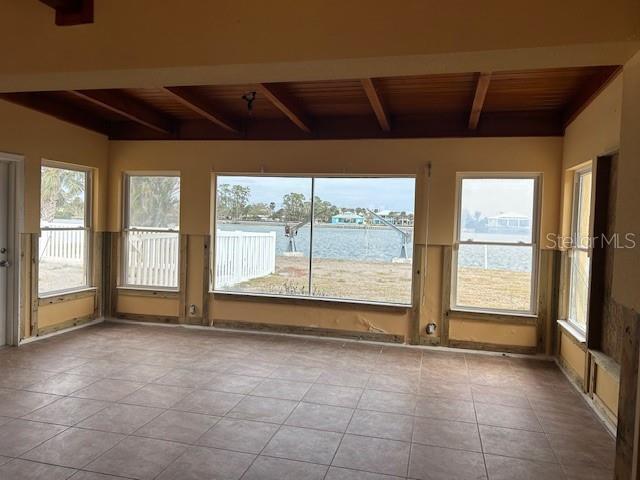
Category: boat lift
[291,232]
[406,237]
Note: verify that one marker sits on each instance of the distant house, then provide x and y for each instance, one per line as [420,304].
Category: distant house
[508,222]
[347,218]
[395,218]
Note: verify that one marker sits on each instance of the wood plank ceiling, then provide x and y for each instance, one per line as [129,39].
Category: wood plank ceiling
[516,103]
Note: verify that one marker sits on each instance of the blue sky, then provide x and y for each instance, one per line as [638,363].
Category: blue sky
[382,193]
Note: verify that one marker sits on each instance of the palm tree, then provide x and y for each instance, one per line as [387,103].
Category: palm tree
[154,202]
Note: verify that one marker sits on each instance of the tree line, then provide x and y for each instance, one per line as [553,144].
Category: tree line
[233,203]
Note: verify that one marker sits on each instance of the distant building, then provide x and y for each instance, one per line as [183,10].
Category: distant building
[347,218]
[395,218]
[508,222]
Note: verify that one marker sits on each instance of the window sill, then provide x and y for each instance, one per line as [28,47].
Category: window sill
[65,296]
[495,317]
[148,292]
[294,300]
[573,332]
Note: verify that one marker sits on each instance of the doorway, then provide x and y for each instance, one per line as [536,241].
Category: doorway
[4,250]
[11,218]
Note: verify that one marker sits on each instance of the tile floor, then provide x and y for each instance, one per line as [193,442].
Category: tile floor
[141,402]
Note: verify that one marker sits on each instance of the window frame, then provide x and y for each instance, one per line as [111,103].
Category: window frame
[304,298]
[87,228]
[126,230]
[575,244]
[534,244]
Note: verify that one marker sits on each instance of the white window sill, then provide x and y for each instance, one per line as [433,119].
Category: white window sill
[499,313]
[64,293]
[573,331]
[309,300]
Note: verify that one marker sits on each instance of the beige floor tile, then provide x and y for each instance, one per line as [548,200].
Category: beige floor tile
[303,444]
[175,426]
[375,455]
[74,447]
[435,463]
[136,457]
[199,463]
[267,468]
[321,417]
[238,435]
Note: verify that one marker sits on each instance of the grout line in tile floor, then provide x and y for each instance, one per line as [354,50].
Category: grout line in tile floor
[274,362]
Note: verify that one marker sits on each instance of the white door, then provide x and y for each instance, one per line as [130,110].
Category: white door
[4,250]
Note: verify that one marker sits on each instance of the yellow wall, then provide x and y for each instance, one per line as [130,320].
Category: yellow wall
[492,333]
[37,137]
[51,315]
[228,41]
[573,356]
[626,274]
[196,161]
[607,388]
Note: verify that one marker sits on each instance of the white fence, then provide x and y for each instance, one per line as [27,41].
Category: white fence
[242,256]
[152,259]
[64,246]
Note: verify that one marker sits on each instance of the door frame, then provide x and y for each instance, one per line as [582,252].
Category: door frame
[15,227]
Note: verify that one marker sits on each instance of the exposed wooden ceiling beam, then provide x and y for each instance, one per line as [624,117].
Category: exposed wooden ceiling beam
[444,125]
[589,92]
[194,102]
[376,103]
[45,103]
[478,100]
[71,12]
[278,97]
[129,108]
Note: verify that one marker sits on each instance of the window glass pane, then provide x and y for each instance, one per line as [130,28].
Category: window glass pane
[583,210]
[154,202]
[497,210]
[62,198]
[494,277]
[152,259]
[363,238]
[63,260]
[579,288]
[263,235]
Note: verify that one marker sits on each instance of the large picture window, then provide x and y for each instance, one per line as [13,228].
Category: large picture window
[65,215]
[339,238]
[579,252]
[495,254]
[151,231]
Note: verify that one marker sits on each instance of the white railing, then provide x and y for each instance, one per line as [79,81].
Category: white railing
[152,258]
[62,246]
[243,256]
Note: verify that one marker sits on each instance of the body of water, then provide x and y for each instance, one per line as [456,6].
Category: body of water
[384,244]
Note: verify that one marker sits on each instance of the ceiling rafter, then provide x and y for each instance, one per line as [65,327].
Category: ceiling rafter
[71,12]
[282,101]
[482,87]
[196,103]
[373,94]
[44,103]
[128,107]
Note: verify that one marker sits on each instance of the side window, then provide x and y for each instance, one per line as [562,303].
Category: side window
[65,213]
[495,254]
[151,231]
[579,254]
